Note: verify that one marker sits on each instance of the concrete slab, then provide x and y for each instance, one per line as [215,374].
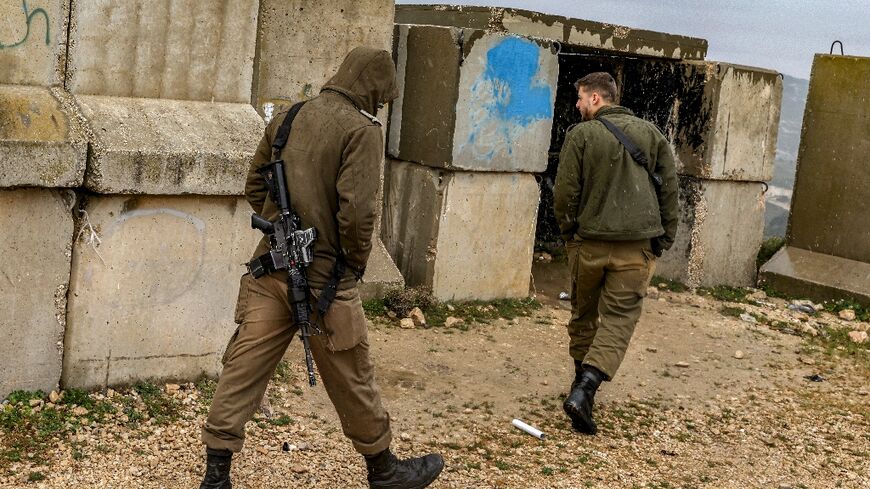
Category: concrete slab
[740,108]
[473,101]
[43,141]
[720,232]
[467,235]
[33,42]
[566,30]
[157,147]
[174,49]
[301,44]
[381,273]
[817,276]
[829,211]
[37,230]
[154,297]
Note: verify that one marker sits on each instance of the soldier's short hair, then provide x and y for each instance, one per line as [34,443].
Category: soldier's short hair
[600,82]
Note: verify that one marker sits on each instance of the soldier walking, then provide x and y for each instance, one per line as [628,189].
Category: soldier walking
[332,162]
[615,200]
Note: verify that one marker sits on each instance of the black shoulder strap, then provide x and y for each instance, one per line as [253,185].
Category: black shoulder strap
[636,154]
[284,130]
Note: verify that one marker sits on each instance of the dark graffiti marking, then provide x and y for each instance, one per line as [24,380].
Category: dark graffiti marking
[29,16]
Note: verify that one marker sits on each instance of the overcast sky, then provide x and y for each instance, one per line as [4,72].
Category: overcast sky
[782,35]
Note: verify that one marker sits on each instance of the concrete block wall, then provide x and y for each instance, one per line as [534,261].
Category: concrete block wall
[480,101]
[723,161]
[123,153]
[466,235]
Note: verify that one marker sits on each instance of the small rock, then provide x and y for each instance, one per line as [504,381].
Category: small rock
[54,397]
[739,354]
[652,292]
[404,436]
[288,447]
[847,314]
[807,361]
[172,388]
[450,307]
[804,306]
[263,450]
[652,349]
[392,315]
[452,322]
[299,469]
[79,411]
[564,296]
[35,402]
[681,365]
[417,316]
[758,295]
[858,336]
[304,447]
[109,393]
[406,323]
[543,257]
[468,411]
[749,318]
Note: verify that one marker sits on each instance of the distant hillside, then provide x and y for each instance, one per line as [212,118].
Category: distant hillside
[794,99]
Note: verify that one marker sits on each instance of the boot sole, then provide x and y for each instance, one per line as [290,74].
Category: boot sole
[576,420]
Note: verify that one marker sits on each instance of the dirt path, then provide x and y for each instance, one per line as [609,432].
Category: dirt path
[682,412]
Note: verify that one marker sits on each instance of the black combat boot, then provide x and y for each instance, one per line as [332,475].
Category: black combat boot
[578,405]
[217,470]
[388,472]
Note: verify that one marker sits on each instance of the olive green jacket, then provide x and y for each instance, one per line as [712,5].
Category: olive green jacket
[602,193]
[332,164]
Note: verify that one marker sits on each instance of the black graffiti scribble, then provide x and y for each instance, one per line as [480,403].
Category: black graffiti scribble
[28,16]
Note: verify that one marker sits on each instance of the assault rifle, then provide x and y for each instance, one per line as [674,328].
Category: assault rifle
[290,246]
[291,250]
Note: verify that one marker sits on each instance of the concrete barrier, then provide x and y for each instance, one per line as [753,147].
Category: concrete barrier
[33,42]
[720,231]
[578,32]
[741,106]
[301,44]
[472,101]
[37,230]
[175,49]
[828,239]
[43,140]
[467,235]
[153,288]
[150,146]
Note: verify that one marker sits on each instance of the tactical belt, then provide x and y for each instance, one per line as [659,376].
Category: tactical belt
[327,295]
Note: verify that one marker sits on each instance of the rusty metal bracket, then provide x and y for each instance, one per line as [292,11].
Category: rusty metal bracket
[832,47]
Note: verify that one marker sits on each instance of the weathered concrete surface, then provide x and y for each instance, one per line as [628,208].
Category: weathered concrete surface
[37,230]
[172,49]
[467,235]
[301,44]
[33,41]
[381,273]
[720,232]
[741,108]
[473,101]
[157,147]
[817,276]
[43,142]
[154,297]
[578,32]
[830,210]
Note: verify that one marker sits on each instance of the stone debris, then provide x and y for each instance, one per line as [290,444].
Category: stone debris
[847,314]
[417,316]
[564,296]
[859,337]
[739,354]
[652,349]
[406,323]
[172,388]
[452,322]
[749,318]
[404,436]
[681,365]
[804,306]
[54,397]
[543,257]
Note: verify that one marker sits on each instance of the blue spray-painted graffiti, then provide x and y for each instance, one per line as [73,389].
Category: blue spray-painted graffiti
[28,18]
[510,95]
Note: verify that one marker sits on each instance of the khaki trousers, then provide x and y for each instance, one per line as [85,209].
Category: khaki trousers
[608,283]
[253,352]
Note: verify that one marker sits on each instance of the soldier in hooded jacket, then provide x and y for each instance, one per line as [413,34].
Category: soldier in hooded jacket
[332,166]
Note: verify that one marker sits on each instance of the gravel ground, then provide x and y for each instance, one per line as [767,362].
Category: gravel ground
[686,413]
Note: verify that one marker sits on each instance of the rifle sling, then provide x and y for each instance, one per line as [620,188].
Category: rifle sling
[636,154]
[338,270]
